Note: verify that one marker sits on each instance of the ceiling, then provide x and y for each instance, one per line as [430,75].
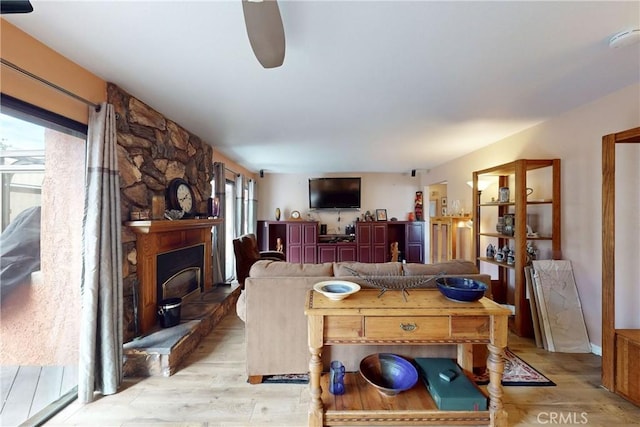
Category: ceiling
[366,86]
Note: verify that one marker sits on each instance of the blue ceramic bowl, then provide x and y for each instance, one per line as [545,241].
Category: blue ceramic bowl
[461,289]
[388,373]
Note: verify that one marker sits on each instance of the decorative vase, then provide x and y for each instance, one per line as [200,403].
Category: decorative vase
[336,378]
[277,214]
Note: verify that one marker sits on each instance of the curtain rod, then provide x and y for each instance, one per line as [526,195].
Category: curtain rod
[48,83]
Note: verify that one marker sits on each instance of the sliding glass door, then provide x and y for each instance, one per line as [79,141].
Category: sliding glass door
[42,159]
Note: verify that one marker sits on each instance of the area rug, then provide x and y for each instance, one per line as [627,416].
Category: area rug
[517,372]
[286,379]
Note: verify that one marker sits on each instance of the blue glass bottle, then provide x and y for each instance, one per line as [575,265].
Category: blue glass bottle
[336,378]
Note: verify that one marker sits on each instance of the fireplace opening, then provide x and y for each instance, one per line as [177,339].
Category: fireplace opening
[180,272]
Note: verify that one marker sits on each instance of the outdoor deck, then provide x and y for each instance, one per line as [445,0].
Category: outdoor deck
[26,390]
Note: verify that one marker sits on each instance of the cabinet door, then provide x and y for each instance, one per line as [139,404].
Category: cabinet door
[309,242]
[326,253]
[379,249]
[294,243]
[364,240]
[347,253]
[415,242]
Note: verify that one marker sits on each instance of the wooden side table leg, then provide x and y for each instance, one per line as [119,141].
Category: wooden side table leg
[495,366]
[316,409]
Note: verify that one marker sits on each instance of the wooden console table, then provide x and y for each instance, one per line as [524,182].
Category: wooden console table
[426,318]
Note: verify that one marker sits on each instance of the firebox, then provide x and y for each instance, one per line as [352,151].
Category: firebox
[180,273]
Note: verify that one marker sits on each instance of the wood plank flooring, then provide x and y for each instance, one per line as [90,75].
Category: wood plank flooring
[211,390]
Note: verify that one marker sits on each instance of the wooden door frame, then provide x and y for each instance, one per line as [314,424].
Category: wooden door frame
[608,249]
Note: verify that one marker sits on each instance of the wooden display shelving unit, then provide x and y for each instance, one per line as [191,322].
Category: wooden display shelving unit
[521,322]
[620,347]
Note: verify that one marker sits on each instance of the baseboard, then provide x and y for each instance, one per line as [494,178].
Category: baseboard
[596,349]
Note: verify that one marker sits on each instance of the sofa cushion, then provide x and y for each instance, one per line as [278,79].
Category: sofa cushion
[267,268]
[447,267]
[341,269]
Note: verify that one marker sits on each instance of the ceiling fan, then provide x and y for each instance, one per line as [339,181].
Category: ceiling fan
[265,31]
[15,6]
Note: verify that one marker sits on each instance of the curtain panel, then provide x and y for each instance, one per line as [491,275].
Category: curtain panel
[101,330]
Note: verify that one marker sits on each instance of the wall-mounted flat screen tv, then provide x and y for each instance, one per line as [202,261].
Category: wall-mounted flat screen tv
[334,193]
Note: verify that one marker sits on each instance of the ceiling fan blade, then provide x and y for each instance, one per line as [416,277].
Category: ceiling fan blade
[15,6]
[265,31]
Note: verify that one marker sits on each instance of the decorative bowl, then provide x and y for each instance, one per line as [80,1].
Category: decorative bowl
[389,373]
[336,290]
[461,289]
[173,214]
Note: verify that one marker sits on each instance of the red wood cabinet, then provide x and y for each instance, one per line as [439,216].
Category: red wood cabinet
[371,239]
[337,252]
[300,239]
[372,243]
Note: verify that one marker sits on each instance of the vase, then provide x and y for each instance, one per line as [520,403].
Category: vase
[277,214]
[336,378]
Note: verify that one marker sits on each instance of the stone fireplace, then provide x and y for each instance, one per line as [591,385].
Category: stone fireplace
[173,257]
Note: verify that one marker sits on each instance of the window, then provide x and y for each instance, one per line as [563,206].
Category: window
[42,158]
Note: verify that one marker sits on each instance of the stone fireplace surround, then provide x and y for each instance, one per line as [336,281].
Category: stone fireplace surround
[152,150]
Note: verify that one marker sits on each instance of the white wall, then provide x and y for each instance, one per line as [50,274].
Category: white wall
[576,138]
[394,192]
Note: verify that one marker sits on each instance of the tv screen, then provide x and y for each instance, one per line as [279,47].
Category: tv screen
[334,193]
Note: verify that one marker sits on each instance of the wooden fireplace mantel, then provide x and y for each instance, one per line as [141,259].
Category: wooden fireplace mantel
[159,236]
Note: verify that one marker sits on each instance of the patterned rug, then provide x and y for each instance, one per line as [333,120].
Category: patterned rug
[286,379]
[517,372]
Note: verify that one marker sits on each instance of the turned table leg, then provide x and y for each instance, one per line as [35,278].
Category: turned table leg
[316,409]
[495,366]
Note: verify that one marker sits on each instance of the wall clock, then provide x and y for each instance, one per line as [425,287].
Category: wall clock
[180,196]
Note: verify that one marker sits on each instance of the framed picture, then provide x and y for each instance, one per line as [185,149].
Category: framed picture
[381,214]
[443,201]
[444,211]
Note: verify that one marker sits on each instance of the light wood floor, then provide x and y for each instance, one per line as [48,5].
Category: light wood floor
[211,390]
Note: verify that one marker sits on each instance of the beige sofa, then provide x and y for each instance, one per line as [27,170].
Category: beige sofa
[272,306]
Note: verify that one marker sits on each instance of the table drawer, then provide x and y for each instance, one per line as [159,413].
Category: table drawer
[472,327]
[342,327]
[410,327]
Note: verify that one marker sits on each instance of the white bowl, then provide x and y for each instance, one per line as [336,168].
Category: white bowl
[336,289]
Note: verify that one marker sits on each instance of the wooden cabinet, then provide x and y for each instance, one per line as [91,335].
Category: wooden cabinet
[371,240]
[366,318]
[300,239]
[372,244]
[337,252]
[510,286]
[414,241]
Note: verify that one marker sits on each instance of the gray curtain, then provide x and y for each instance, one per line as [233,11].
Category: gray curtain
[100,367]
[252,207]
[240,219]
[219,273]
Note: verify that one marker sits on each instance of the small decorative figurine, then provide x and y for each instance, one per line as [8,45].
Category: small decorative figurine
[394,252]
[511,257]
[491,251]
[279,245]
[418,206]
